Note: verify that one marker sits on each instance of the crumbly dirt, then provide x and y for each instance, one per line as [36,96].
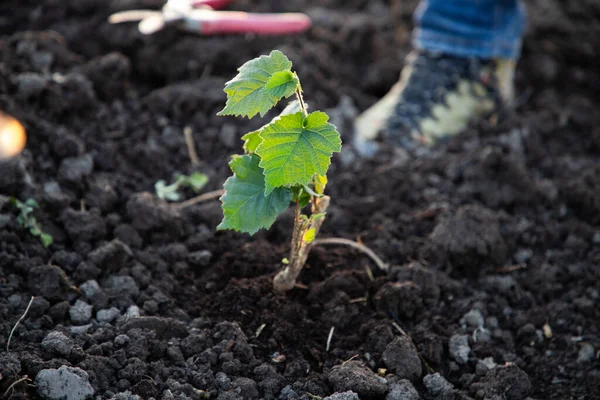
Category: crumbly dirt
[493,238]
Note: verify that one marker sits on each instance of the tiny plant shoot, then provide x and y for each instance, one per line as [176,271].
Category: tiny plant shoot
[195,181]
[28,221]
[285,161]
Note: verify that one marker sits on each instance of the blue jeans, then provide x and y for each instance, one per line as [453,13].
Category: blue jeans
[470,28]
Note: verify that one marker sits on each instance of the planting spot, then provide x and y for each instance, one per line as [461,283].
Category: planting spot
[469,241]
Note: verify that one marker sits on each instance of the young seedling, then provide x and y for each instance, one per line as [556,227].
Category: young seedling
[28,221]
[195,181]
[285,161]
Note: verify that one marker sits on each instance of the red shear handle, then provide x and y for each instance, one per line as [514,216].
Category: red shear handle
[262,24]
[214,4]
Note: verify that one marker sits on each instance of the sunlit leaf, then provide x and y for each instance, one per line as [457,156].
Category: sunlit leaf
[251,141]
[320,183]
[309,235]
[295,148]
[260,84]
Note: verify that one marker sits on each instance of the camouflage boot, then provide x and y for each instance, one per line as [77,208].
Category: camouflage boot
[437,97]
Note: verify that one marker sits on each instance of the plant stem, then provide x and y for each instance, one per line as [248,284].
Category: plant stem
[286,279]
[301,102]
[358,246]
[297,232]
[215,194]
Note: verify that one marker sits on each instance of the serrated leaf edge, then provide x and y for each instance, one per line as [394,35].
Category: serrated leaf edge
[277,119]
[257,59]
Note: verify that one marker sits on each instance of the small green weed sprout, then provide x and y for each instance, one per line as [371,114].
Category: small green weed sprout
[28,221]
[195,181]
[285,161]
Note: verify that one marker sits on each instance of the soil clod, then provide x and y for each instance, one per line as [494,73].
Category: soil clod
[355,376]
[402,359]
[64,383]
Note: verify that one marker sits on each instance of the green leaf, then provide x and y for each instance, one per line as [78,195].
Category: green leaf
[260,84]
[32,203]
[197,181]
[22,219]
[301,196]
[316,217]
[309,235]
[280,81]
[167,192]
[311,192]
[252,141]
[46,239]
[28,221]
[246,208]
[320,183]
[295,148]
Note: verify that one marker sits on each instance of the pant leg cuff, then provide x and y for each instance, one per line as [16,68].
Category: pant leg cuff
[463,47]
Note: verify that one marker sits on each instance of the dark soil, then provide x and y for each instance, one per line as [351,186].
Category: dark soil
[494,237]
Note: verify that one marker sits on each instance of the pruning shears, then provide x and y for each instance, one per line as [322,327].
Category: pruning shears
[202,17]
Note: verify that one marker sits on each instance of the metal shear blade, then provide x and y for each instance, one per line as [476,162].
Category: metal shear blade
[149,21]
[131,16]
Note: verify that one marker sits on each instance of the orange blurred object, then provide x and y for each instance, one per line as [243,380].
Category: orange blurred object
[12,137]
